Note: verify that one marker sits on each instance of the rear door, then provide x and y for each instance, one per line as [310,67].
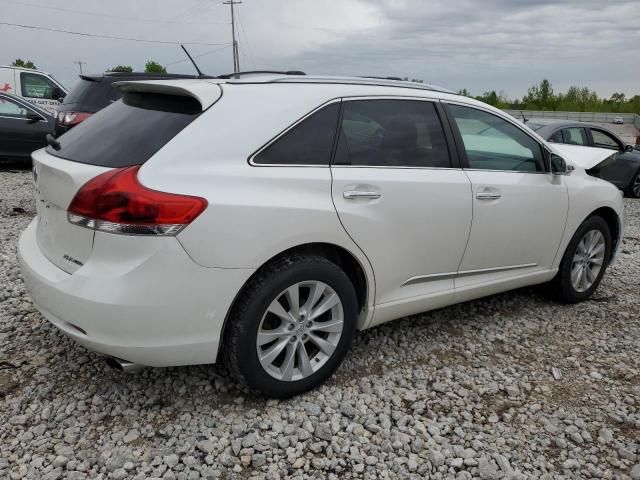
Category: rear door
[400,196]
[519,208]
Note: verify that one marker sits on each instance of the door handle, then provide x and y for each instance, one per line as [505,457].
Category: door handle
[488,195]
[353,194]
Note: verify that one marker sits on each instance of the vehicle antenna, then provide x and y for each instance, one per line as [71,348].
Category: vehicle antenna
[200,74]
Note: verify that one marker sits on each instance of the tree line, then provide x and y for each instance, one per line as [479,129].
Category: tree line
[575,99]
[150,67]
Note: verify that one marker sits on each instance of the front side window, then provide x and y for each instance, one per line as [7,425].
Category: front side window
[603,140]
[391,133]
[574,136]
[11,109]
[308,143]
[492,143]
[38,86]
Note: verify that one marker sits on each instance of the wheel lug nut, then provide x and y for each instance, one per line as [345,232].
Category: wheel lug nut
[290,327]
[309,324]
[293,339]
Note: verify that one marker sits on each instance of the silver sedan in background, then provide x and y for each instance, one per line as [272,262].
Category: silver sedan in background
[623,173]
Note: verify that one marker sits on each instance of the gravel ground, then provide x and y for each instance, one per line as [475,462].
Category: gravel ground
[464,392]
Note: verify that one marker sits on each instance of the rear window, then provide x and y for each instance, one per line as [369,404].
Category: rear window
[129,131]
[92,95]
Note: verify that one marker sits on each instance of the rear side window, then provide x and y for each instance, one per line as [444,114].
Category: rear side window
[391,133]
[128,132]
[308,143]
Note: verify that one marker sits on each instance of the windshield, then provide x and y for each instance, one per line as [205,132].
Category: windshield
[534,126]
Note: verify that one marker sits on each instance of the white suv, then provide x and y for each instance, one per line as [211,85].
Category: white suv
[262,220]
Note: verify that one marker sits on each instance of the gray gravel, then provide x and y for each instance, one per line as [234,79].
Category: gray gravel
[464,392]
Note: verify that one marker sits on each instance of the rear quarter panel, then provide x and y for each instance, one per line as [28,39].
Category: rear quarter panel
[254,212]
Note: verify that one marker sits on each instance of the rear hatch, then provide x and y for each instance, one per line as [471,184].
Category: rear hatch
[127,133]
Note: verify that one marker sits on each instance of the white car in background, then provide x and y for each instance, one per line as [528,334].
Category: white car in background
[34,86]
[262,220]
[618,120]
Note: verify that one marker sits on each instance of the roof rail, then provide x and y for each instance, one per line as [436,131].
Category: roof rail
[397,79]
[256,72]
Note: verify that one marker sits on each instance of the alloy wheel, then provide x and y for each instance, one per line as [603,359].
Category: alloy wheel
[636,185]
[587,260]
[300,331]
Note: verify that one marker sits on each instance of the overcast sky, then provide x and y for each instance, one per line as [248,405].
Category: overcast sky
[479,45]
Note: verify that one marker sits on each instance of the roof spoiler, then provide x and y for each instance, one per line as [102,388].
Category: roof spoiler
[207,93]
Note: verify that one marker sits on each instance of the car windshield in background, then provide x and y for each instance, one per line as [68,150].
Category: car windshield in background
[534,126]
[95,94]
[128,132]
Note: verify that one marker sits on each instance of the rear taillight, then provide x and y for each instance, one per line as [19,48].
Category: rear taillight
[70,119]
[116,202]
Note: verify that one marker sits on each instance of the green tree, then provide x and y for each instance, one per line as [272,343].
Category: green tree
[122,68]
[21,63]
[154,67]
[465,92]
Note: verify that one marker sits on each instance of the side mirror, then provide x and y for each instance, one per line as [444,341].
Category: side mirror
[559,166]
[33,117]
[628,148]
[59,94]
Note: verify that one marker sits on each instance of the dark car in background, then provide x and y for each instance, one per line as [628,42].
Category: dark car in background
[624,173]
[23,128]
[94,92]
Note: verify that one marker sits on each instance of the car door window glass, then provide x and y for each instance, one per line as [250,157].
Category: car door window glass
[603,140]
[11,109]
[308,143]
[37,86]
[391,133]
[492,143]
[575,136]
[556,137]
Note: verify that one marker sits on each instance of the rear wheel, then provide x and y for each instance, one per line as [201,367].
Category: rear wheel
[633,190]
[584,262]
[291,326]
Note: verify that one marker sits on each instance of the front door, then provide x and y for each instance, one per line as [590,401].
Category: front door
[519,209]
[19,135]
[400,198]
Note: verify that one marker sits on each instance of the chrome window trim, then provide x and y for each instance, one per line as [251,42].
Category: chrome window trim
[21,103]
[464,273]
[284,132]
[356,98]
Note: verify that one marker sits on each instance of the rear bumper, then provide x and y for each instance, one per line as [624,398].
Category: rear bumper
[140,299]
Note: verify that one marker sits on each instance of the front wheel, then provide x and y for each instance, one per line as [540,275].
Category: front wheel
[584,262]
[291,326]
[633,190]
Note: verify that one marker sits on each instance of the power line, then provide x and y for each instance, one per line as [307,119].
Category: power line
[32,27]
[246,40]
[198,56]
[106,15]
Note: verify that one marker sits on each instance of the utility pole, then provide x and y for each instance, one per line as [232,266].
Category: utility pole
[80,63]
[236,57]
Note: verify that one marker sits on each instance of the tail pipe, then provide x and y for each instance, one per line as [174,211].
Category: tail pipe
[123,365]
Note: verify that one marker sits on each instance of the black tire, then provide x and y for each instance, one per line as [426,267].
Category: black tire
[561,286]
[240,336]
[633,190]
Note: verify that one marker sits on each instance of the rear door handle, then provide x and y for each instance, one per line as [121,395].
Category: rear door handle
[353,194]
[488,195]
